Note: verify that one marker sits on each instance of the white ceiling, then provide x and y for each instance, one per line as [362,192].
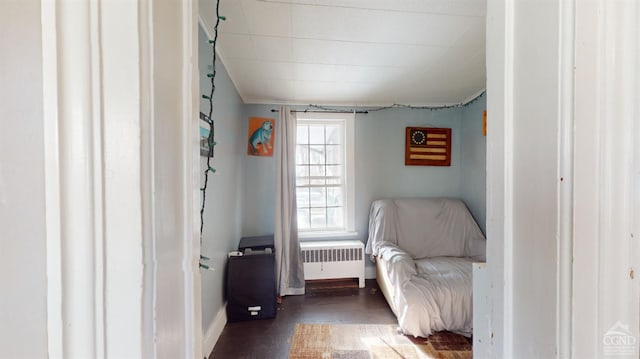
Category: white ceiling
[352,52]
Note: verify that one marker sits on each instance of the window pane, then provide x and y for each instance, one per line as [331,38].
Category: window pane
[302,135]
[334,134]
[334,196]
[320,161]
[334,171]
[335,217]
[318,196]
[302,154]
[334,154]
[334,181]
[318,217]
[316,155]
[302,197]
[316,134]
[302,171]
[303,218]
[317,181]
[302,175]
[316,171]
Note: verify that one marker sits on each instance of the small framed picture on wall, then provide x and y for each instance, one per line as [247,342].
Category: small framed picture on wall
[206,142]
[426,146]
[260,137]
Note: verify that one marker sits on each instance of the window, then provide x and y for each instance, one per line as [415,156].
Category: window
[324,172]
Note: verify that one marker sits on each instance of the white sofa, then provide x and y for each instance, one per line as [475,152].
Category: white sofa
[423,249]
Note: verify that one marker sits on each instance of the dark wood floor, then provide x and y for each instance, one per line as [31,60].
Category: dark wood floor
[271,338]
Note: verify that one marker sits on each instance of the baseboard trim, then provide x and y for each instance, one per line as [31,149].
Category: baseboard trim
[214,331]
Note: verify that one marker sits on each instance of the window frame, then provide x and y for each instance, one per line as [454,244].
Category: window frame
[347,119]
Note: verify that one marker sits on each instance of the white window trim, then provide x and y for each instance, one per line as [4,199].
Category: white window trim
[334,235]
[349,169]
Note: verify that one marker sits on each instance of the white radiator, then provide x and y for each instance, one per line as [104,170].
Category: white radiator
[333,260]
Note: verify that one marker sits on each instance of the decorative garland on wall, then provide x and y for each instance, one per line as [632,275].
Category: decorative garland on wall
[365,110]
[397,105]
[209,120]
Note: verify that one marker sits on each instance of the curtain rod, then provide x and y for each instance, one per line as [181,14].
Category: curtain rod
[318,111]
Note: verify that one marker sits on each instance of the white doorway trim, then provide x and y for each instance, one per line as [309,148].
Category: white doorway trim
[500,79]
[52,180]
[173,313]
[565,189]
[110,291]
[191,171]
[74,179]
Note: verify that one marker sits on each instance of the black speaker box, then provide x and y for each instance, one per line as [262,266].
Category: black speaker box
[256,243]
[251,287]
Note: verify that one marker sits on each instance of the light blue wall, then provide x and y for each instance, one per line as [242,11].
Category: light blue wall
[223,213]
[380,169]
[259,181]
[242,193]
[473,188]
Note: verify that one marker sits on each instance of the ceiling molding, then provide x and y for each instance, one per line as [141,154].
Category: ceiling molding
[472,97]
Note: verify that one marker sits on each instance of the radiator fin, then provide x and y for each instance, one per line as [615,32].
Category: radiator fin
[332,255]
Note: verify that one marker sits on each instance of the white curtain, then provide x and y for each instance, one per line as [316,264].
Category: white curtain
[289,265]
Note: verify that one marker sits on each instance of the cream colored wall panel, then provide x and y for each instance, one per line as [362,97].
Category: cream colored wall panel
[461,7]
[268,19]
[269,48]
[236,46]
[364,54]
[377,26]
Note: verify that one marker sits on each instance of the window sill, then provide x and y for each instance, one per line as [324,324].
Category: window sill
[309,236]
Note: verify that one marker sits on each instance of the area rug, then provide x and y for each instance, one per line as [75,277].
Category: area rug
[363,341]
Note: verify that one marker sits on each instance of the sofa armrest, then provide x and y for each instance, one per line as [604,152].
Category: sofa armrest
[400,266]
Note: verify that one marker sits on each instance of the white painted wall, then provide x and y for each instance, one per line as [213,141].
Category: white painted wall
[23,303]
[606,250]
[173,187]
[123,246]
[535,178]
[562,167]
[167,181]
[497,289]
[522,159]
